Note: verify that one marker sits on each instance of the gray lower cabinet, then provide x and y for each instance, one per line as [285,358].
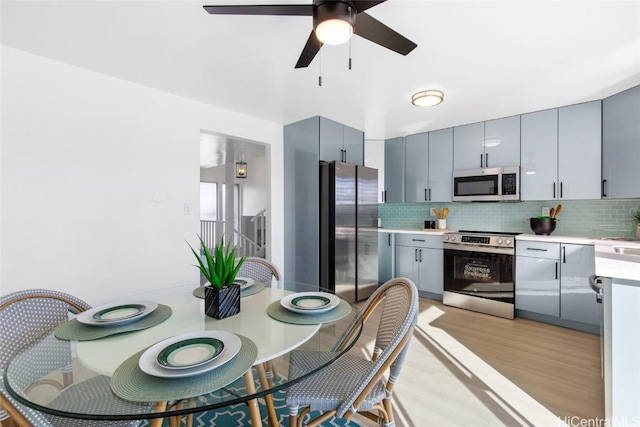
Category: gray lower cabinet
[386,256]
[421,258]
[577,299]
[552,279]
[621,145]
[538,277]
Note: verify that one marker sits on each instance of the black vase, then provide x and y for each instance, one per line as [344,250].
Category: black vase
[223,302]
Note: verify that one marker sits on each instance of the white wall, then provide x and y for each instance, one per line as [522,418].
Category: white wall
[82,156]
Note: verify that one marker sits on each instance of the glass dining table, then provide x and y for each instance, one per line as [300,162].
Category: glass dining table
[121,372]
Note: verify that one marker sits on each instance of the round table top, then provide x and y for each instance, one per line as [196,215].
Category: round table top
[94,362]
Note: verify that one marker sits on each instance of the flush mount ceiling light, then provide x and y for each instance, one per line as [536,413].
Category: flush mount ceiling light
[333,22]
[427,98]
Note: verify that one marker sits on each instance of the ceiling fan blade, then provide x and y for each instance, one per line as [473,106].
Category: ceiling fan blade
[362,5]
[310,51]
[371,29]
[262,9]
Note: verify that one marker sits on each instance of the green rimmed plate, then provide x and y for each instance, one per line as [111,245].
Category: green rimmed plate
[150,364]
[310,302]
[190,353]
[117,314]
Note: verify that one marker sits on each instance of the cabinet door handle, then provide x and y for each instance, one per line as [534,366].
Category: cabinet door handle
[345,155]
[561,190]
[480,160]
[389,236]
[418,240]
[537,249]
[604,190]
[556,271]
[564,254]
[429,194]
[554,190]
[420,255]
[385,196]
[416,254]
[486,160]
[425,195]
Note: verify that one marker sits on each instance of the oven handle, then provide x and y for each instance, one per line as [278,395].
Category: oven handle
[471,248]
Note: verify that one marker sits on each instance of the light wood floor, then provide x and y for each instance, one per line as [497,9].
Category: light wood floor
[473,369]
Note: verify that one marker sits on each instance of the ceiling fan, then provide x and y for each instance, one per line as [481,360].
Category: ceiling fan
[333,23]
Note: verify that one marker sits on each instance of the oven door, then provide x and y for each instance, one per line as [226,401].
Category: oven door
[480,274]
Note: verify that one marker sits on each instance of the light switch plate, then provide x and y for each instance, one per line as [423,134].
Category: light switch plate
[546,211]
[432,211]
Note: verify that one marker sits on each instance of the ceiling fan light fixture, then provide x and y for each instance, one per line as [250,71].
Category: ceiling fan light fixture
[334,31]
[333,22]
[427,98]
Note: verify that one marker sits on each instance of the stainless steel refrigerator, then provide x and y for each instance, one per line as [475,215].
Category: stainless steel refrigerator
[348,230]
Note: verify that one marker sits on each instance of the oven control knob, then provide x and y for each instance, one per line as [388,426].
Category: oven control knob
[499,240]
[453,238]
[445,238]
[507,242]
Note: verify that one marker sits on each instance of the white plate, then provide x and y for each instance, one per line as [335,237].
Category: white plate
[149,359]
[117,314]
[310,302]
[245,282]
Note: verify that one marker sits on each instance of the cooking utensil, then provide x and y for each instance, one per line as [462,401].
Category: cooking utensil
[557,212]
[437,212]
[551,212]
[445,212]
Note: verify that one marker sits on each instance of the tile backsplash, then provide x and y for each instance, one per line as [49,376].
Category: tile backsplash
[584,218]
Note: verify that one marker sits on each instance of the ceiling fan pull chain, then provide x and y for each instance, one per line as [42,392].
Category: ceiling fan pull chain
[349,53]
[320,68]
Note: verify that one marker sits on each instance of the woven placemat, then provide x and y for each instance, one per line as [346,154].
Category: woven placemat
[257,287]
[74,330]
[131,383]
[278,312]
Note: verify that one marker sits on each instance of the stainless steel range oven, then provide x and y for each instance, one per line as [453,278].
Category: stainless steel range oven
[479,271]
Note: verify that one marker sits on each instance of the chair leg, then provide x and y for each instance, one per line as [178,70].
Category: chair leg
[159,407]
[254,410]
[264,383]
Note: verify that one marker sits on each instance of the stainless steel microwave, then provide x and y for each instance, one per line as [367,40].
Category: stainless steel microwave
[487,185]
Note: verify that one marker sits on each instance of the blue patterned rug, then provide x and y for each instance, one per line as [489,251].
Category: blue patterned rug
[238,415]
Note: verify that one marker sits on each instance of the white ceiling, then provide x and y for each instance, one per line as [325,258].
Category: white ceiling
[491,59]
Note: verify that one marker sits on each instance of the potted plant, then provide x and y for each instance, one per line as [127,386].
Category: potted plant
[636,216]
[221,294]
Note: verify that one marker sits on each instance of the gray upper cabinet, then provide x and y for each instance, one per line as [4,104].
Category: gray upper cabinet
[428,166]
[502,142]
[539,150]
[490,144]
[393,170]
[561,153]
[416,168]
[440,165]
[340,143]
[468,149]
[621,145]
[353,145]
[580,151]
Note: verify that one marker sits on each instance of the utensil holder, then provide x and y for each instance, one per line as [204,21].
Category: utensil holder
[442,224]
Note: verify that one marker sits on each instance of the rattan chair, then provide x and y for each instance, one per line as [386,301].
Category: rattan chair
[25,317]
[260,270]
[355,384]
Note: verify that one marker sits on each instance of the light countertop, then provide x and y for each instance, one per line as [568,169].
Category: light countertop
[618,259]
[557,239]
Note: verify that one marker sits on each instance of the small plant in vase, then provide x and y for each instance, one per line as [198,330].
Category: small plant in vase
[221,295]
[636,216]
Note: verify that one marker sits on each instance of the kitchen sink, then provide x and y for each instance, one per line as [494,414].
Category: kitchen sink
[626,250]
